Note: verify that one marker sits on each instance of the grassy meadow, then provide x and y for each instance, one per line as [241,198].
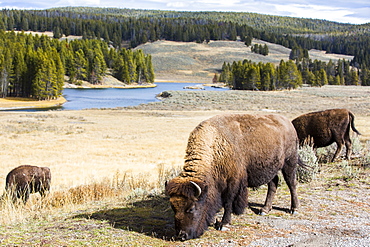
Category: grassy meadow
[109,168]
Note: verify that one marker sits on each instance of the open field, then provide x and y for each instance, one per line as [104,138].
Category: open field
[134,145]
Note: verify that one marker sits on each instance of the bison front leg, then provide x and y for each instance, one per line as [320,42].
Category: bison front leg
[226,218]
[272,187]
[228,198]
[25,195]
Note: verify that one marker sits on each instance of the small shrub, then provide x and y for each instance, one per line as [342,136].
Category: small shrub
[349,172]
[308,156]
[325,154]
[366,156]
[357,147]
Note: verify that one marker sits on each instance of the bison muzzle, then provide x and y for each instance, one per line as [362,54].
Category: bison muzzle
[225,155]
[24,180]
[325,128]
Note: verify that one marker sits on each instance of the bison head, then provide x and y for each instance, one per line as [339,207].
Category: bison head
[187,199]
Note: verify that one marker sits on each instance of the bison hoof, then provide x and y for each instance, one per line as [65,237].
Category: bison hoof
[263,212]
[218,225]
[293,212]
[182,236]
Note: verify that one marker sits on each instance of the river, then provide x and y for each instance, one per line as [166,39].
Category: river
[78,99]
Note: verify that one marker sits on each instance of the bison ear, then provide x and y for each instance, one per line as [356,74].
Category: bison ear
[205,191]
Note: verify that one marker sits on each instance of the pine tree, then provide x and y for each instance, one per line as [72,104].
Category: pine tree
[97,67]
[265,50]
[19,68]
[149,75]
[45,77]
[6,72]
[252,78]
[353,77]
[131,67]
[365,76]
[321,78]
[79,66]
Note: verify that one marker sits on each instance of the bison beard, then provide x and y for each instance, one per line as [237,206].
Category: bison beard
[326,127]
[225,155]
[26,179]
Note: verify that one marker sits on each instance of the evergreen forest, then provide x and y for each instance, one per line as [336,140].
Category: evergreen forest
[35,66]
[248,75]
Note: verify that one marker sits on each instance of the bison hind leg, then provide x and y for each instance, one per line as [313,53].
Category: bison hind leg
[348,144]
[272,187]
[340,144]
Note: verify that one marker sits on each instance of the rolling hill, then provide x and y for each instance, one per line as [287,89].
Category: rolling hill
[193,62]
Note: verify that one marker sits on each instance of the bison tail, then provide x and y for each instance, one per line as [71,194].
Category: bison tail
[352,117]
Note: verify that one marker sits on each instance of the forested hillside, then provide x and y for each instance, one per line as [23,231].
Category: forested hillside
[127,28]
[35,66]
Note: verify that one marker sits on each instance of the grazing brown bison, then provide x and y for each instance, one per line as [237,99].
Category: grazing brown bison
[326,127]
[24,180]
[225,155]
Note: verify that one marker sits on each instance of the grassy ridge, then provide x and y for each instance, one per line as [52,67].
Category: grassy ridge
[192,62]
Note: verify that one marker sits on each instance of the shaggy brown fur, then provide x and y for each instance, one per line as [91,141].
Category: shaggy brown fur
[26,179]
[326,127]
[225,155]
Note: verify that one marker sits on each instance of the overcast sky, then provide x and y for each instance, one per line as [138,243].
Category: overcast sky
[345,11]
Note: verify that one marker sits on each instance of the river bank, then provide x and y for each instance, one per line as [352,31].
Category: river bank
[13,103]
[124,86]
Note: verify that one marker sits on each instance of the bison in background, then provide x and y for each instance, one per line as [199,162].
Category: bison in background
[24,180]
[326,127]
[225,155]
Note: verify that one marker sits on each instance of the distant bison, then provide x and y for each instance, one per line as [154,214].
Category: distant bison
[326,127]
[225,155]
[26,179]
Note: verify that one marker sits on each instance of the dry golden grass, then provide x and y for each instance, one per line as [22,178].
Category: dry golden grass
[101,158]
[85,146]
[82,147]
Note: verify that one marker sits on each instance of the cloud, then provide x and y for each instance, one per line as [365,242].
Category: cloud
[354,11]
[176,5]
[338,14]
[78,3]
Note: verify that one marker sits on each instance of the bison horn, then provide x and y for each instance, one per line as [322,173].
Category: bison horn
[199,190]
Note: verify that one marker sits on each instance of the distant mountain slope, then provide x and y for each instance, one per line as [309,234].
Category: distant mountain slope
[264,22]
[193,62]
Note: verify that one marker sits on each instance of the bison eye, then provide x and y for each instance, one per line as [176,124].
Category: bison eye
[191,209]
